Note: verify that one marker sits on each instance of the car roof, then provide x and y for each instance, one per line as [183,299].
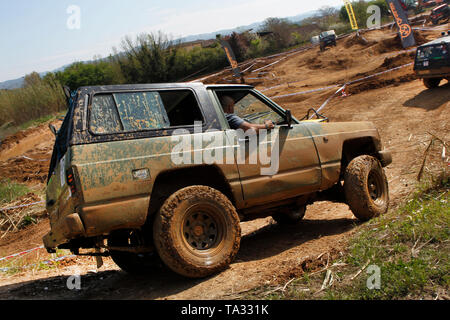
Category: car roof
[440,7]
[445,39]
[150,86]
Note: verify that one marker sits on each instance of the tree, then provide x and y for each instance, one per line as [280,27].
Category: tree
[281,32]
[32,79]
[82,74]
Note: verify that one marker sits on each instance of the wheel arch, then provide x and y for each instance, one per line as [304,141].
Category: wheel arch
[352,148]
[169,181]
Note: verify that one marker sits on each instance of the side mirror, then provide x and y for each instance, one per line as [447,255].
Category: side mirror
[53,129]
[288,118]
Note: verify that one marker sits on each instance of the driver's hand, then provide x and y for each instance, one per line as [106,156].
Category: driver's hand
[269,124]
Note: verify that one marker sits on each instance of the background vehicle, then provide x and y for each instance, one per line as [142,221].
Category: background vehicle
[440,14]
[432,63]
[327,39]
[115,187]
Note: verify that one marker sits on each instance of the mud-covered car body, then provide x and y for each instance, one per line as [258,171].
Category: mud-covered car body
[113,167]
[432,62]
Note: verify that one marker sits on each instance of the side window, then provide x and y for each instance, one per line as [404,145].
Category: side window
[104,115]
[139,111]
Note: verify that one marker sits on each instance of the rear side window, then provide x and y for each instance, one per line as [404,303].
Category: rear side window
[140,111]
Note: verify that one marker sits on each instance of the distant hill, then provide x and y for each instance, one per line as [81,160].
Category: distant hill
[255,26]
[18,83]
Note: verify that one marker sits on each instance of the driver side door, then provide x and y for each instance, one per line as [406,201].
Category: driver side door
[286,165]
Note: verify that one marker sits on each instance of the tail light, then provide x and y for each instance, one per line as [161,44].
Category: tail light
[71,180]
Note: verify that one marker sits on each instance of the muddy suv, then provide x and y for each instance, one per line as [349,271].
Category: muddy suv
[138,173]
[440,14]
[327,39]
[432,63]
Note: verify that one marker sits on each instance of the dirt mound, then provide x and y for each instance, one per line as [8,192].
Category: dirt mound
[14,139]
[32,167]
[397,61]
[379,83]
[395,43]
[334,63]
[358,40]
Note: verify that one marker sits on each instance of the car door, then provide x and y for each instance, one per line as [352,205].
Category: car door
[275,166]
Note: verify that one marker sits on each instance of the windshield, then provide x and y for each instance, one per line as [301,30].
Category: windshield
[327,33]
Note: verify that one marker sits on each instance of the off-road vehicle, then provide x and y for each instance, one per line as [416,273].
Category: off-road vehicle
[131,175]
[432,63]
[327,39]
[440,14]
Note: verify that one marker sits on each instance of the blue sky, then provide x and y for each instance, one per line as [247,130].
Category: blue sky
[35,36]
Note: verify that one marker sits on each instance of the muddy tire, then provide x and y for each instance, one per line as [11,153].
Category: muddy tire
[291,216]
[197,232]
[132,263]
[366,188]
[432,83]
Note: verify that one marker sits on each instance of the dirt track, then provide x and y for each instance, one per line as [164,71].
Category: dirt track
[403,110]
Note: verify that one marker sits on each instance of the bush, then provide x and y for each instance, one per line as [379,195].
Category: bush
[37,99]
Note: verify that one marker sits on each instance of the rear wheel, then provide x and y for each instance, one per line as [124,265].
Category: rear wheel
[197,232]
[432,83]
[366,188]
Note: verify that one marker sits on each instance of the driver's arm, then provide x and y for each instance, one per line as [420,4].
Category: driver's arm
[268,124]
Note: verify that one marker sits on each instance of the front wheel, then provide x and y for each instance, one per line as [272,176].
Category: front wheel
[197,232]
[366,188]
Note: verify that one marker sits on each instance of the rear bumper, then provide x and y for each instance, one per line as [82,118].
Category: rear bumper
[97,220]
[434,73]
[385,157]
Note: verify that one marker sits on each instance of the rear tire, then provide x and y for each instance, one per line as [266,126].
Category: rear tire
[432,83]
[197,232]
[366,188]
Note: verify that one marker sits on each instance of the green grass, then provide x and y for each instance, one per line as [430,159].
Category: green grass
[18,265]
[10,191]
[410,246]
